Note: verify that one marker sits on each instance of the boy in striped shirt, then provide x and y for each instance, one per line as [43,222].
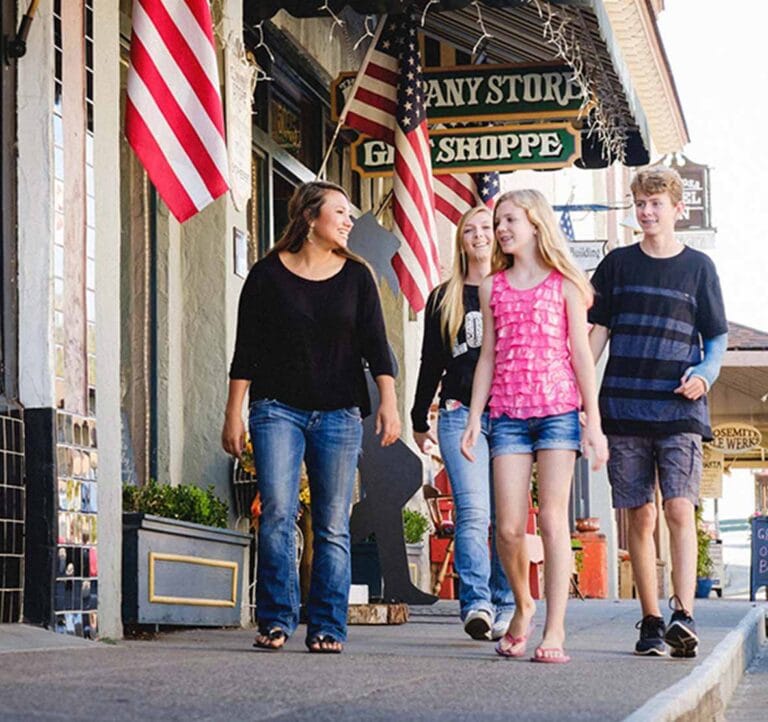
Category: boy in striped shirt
[660,304]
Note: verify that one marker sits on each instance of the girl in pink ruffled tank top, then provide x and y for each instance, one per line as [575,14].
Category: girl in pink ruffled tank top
[537,369]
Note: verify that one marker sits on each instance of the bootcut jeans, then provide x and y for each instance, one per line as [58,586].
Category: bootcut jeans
[482,582]
[329,442]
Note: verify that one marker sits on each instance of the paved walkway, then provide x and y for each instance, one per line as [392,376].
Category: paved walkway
[750,700]
[424,670]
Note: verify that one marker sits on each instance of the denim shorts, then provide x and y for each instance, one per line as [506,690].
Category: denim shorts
[526,436]
[635,460]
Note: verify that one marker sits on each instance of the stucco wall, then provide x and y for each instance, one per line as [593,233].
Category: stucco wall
[106,159]
[35,207]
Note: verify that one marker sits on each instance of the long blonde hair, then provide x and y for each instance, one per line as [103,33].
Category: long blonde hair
[550,240]
[451,304]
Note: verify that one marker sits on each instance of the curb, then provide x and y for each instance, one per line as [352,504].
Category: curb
[705,692]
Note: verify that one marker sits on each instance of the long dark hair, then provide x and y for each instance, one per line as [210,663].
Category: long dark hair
[303,208]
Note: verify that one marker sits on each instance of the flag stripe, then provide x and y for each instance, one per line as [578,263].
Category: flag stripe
[372,128]
[458,193]
[388,104]
[165,139]
[189,94]
[157,167]
[461,185]
[183,38]
[174,119]
[375,104]
[212,174]
[384,68]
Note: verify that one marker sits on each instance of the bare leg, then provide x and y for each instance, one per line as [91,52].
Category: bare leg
[512,478]
[642,552]
[681,519]
[555,468]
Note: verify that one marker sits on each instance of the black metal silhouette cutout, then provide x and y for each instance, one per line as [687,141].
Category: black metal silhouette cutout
[389,478]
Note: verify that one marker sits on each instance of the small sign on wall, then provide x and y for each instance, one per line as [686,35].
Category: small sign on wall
[712,474]
[240,242]
[758,576]
[239,84]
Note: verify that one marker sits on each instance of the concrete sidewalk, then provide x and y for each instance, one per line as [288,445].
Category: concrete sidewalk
[424,670]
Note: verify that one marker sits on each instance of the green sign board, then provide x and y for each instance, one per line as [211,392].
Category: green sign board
[472,150]
[471,93]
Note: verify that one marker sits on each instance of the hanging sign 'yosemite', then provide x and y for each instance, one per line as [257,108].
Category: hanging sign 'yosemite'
[472,93]
[471,150]
[735,438]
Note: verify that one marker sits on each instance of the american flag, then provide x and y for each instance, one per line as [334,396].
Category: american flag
[173,115]
[566,226]
[387,102]
[456,194]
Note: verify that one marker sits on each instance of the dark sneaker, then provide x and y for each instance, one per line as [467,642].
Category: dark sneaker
[681,634]
[651,642]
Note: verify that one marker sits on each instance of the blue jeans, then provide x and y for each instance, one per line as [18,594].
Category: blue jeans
[482,582]
[329,442]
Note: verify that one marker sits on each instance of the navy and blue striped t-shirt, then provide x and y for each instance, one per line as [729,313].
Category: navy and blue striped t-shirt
[657,310]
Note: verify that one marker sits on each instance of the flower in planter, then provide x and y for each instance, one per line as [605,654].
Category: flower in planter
[415,525]
[246,458]
[305,498]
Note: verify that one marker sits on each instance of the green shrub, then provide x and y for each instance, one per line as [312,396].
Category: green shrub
[704,563]
[183,502]
[415,524]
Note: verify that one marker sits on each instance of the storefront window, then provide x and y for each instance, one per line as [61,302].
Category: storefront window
[285,127]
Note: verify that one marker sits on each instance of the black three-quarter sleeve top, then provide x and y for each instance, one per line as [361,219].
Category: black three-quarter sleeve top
[453,365]
[303,342]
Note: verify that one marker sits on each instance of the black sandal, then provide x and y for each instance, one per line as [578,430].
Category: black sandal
[316,644]
[273,636]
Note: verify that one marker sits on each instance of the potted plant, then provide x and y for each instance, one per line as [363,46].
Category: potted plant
[181,566]
[704,565]
[415,526]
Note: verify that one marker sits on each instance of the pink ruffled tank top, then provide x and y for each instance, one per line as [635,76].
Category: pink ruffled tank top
[533,375]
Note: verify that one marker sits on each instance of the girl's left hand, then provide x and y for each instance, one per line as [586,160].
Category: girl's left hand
[595,446]
[388,423]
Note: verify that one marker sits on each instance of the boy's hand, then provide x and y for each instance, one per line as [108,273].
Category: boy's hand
[691,387]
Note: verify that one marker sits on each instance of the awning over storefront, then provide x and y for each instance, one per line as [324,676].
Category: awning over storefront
[264,9]
[615,46]
[741,392]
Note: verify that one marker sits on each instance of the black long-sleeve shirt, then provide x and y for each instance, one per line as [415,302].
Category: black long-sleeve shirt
[303,342]
[455,365]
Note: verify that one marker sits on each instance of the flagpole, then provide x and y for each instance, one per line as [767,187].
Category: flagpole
[343,115]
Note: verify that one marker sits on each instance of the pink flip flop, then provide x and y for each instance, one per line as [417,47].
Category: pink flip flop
[550,655]
[516,645]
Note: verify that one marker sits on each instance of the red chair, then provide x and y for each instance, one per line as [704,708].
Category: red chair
[444,529]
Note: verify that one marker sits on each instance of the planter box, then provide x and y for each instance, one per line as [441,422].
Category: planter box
[415,553]
[179,573]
